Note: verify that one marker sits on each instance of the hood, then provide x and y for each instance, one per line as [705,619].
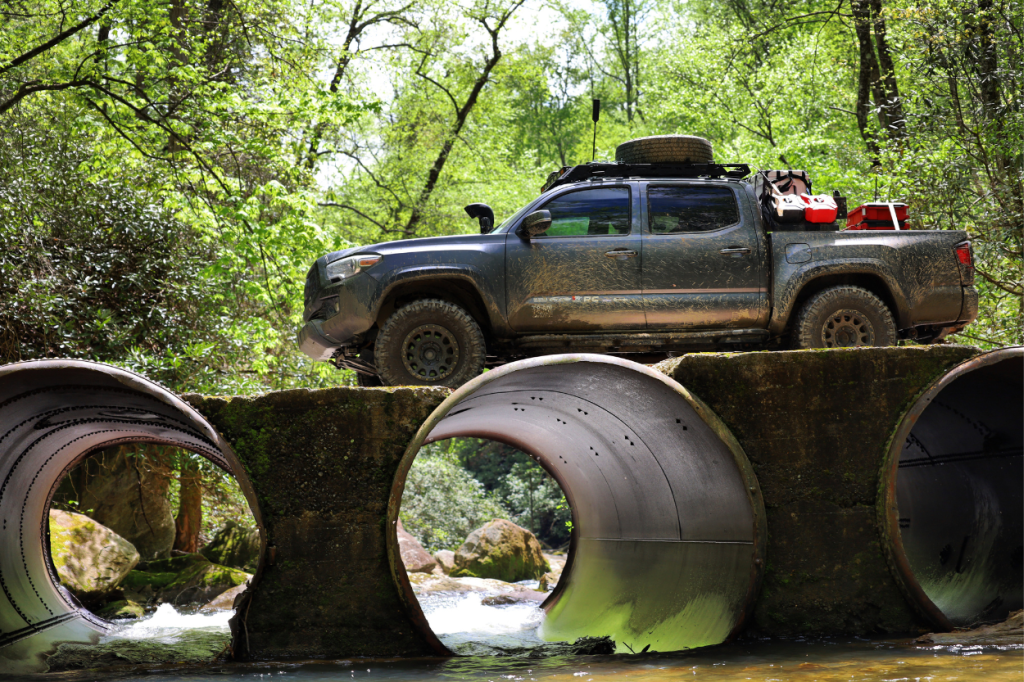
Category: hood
[411,245]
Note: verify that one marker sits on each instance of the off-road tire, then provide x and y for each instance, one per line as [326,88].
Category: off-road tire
[665,149]
[426,326]
[843,317]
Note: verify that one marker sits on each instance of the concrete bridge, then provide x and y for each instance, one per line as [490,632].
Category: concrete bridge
[850,492]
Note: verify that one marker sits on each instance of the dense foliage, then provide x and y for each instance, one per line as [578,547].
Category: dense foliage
[170,169]
[458,485]
[443,503]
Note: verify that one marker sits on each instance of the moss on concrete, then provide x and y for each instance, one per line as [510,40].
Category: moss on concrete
[815,426]
[322,464]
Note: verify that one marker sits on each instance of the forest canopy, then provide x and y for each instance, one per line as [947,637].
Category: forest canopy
[169,170]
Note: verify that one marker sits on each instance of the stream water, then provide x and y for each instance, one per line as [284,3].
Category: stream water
[467,626]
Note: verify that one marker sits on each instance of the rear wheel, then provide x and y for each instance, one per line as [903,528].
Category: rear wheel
[429,343]
[844,317]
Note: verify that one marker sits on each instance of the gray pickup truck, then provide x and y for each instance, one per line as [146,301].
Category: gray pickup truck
[628,259]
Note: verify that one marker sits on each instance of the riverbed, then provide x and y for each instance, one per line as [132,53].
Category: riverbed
[467,626]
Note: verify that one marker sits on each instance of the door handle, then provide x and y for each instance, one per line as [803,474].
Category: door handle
[621,254]
[735,251]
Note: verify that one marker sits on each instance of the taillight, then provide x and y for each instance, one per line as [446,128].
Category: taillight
[963,254]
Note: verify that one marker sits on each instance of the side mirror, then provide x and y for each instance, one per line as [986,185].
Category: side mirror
[537,223]
[484,213]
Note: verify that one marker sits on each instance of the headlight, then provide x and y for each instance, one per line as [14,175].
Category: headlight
[353,265]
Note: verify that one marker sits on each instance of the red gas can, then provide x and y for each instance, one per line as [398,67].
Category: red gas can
[821,208]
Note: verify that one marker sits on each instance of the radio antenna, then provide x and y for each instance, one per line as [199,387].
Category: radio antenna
[595,115]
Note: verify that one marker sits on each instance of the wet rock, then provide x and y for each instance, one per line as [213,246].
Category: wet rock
[1010,631]
[415,558]
[556,561]
[122,609]
[188,579]
[549,581]
[445,560]
[90,559]
[190,647]
[584,646]
[425,583]
[225,601]
[501,550]
[518,597]
[235,546]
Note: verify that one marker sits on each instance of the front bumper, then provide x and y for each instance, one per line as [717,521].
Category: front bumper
[349,308]
[314,343]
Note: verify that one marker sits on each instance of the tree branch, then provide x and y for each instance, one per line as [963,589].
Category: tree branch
[57,39]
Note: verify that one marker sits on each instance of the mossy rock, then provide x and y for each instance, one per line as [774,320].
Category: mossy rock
[174,564]
[202,582]
[190,579]
[192,647]
[137,581]
[90,559]
[123,609]
[503,551]
[235,545]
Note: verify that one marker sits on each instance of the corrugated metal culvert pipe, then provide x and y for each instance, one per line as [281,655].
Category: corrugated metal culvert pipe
[53,414]
[950,498]
[668,521]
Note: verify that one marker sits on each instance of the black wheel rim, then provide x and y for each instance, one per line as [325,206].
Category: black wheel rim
[430,353]
[847,329]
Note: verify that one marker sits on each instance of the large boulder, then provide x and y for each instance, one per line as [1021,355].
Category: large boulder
[234,545]
[90,559]
[182,580]
[415,558]
[445,560]
[125,489]
[503,551]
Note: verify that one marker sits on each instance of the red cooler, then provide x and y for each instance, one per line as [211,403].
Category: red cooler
[878,216]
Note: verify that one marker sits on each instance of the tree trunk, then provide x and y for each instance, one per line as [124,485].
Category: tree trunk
[189,520]
[867,75]
[892,104]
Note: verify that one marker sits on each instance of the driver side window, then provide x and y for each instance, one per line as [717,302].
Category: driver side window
[589,212]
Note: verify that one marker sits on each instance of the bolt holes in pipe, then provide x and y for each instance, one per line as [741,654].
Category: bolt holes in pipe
[668,530]
[53,415]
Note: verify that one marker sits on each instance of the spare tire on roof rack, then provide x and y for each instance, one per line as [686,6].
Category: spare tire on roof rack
[665,149]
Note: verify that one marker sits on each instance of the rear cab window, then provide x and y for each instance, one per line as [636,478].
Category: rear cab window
[681,209]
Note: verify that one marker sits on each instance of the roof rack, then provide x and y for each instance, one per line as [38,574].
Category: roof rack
[569,174]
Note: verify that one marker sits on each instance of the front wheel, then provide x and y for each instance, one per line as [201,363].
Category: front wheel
[429,343]
[844,317]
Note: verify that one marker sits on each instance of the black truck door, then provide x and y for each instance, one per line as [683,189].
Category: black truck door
[701,266]
[584,272]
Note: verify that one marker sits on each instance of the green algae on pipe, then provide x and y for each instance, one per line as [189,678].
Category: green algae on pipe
[668,529]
